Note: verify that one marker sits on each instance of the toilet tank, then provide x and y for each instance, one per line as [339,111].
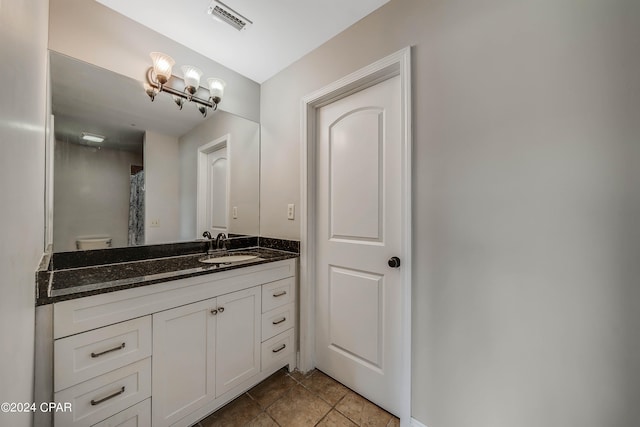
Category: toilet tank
[88,243]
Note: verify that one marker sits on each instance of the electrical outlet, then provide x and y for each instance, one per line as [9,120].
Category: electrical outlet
[155,223]
[235,212]
[291,211]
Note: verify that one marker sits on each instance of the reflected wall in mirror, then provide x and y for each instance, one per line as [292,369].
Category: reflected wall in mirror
[140,185]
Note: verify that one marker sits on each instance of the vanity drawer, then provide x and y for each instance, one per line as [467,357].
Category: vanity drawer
[276,294]
[80,357]
[277,349]
[137,416]
[277,321]
[101,397]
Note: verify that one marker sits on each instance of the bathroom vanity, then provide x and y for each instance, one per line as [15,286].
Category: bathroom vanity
[168,347]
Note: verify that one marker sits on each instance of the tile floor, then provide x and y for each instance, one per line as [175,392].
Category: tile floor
[296,400]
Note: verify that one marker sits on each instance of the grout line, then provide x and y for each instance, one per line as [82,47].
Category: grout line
[323,417]
[297,382]
[273,419]
[251,397]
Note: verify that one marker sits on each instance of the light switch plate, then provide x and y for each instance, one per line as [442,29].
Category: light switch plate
[291,211]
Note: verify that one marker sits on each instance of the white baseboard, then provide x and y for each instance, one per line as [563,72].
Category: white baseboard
[416,423]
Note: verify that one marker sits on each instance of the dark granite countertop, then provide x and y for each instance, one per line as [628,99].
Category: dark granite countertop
[65,284]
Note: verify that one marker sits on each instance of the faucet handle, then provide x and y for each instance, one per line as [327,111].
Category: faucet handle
[207,235]
[221,238]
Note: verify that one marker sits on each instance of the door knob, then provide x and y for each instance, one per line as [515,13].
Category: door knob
[394,262]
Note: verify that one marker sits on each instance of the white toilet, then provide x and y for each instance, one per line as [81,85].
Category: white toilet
[86,243]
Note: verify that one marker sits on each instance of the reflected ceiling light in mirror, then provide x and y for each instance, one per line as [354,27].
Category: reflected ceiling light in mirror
[92,137]
[159,75]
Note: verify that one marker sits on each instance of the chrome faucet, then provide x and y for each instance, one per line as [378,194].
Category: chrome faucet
[207,235]
[221,239]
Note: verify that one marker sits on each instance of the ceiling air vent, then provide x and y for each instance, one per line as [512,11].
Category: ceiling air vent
[224,13]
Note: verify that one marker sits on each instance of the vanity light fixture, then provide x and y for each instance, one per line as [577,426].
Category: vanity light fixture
[159,75]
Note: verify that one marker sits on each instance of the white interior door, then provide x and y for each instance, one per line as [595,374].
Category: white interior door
[358,210]
[217,191]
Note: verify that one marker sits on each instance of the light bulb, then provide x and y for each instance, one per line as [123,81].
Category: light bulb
[216,89]
[191,77]
[162,65]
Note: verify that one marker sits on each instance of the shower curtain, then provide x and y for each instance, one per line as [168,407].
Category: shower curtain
[136,210]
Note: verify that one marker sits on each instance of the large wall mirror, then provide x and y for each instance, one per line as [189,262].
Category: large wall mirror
[161,174]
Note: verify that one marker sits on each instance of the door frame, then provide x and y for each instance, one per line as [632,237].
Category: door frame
[396,64]
[201,194]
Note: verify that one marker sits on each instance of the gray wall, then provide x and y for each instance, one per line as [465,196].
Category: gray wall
[526,301]
[162,188]
[92,189]
[23,43]
[244,185]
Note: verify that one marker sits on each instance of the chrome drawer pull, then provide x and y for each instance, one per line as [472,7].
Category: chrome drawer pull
[104,399]
[279,294]
[282,347]
[277,322]
[120,347]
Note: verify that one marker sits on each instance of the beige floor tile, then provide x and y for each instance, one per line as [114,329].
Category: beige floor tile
[394,422]
[206,421]
[326,387]
[362,412]
[298,408]
[262,420]
[336,419]
[299,376]
[236,414]
[269,390]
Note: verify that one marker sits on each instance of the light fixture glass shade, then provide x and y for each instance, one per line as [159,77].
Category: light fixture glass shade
[162,65]
[216,88]
[191,77]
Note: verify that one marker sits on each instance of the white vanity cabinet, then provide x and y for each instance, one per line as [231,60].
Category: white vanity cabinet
[278,318]
[169,354]
[237,338]
[202,350]
[103,371]
[183,361]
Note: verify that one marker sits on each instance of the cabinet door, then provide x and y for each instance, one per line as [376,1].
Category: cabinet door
[183,361]
[238,338]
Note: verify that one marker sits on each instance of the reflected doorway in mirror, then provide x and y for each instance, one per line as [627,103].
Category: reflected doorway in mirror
[213,186]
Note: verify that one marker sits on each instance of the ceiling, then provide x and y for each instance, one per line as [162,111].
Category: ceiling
[86,98]
[282,32]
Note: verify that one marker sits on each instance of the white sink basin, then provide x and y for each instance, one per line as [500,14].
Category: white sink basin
[227,259]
